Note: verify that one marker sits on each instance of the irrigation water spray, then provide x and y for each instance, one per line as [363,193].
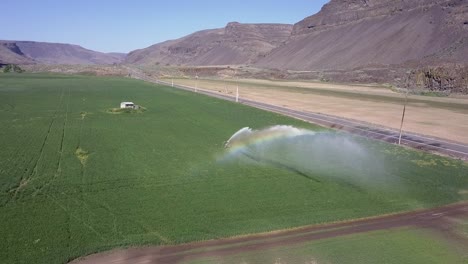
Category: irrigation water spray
[314,155]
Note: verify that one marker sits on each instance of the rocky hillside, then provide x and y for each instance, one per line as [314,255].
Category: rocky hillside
[11,53]
[443,78]
[354,33]
[29,52]
[235,44]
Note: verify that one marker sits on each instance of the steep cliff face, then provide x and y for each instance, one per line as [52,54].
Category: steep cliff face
[339,12]
[353,33]
[235,44]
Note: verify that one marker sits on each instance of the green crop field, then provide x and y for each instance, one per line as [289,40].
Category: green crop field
[76,178]
[388,246]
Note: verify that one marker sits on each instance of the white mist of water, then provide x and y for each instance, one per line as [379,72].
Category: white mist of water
[315,155]
[246,135]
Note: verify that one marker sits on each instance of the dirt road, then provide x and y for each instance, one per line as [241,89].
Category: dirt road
[437,219]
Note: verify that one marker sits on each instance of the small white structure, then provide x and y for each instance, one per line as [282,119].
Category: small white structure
[127,105]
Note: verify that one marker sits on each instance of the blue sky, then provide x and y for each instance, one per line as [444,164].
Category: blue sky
[122,26]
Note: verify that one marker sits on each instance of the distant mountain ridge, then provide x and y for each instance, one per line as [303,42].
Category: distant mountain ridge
[235,44]
[31,52]
[344,35]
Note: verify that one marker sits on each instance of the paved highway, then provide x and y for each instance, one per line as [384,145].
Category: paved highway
[425,143]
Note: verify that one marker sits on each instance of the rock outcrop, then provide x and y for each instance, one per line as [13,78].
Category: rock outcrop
[443,78]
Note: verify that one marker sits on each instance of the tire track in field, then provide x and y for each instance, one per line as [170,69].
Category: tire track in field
[80,196]
[24,180]
[82,166]
[88,205]
[129,219]
[71,215]
[58,170]
[18,159]
[55,116]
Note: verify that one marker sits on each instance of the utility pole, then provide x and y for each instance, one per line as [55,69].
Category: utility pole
[403,117]
[237,85]
[225,87]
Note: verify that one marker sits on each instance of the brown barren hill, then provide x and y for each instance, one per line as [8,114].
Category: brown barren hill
[30,52]
[11,53]
[352,33]
[235,44]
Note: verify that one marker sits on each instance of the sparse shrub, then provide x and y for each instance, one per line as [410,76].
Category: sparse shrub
[12,68]
[138,110]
